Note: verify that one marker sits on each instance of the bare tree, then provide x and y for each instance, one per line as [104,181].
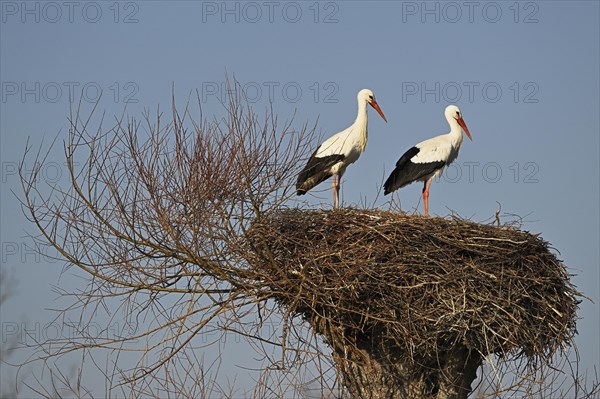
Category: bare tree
[155,213]
[182,227]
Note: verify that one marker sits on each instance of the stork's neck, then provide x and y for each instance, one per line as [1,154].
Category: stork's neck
[359,128]
[455,134]
[361,117]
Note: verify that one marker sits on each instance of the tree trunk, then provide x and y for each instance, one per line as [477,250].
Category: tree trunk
[370,367]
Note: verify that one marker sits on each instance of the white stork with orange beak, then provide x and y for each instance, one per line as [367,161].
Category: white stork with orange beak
[427,160]
[340,150]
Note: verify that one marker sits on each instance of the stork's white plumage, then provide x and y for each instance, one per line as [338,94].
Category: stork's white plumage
[427,160]
[340,150]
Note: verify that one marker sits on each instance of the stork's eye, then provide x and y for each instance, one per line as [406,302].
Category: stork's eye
[370,97]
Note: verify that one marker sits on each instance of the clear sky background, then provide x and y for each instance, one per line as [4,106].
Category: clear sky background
[525,75]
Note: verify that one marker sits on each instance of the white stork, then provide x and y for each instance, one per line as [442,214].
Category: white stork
[427,159]
[340,150]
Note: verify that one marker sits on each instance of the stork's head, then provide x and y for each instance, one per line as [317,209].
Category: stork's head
[453,112]
[368,96]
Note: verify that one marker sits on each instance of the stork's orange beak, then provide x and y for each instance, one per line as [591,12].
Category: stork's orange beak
[376,106]
[464,126]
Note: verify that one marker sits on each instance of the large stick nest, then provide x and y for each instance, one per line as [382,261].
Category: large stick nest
[425,285]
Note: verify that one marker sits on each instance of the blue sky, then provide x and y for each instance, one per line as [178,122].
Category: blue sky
[525,74]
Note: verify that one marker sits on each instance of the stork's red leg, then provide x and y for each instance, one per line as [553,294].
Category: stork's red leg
[336,191]
[426,195]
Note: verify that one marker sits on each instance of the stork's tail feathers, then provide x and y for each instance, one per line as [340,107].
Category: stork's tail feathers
[394,181]
[306,182]
[317,170]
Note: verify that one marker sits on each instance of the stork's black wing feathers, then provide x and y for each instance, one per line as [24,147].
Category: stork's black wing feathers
[407,172]
[317,170]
